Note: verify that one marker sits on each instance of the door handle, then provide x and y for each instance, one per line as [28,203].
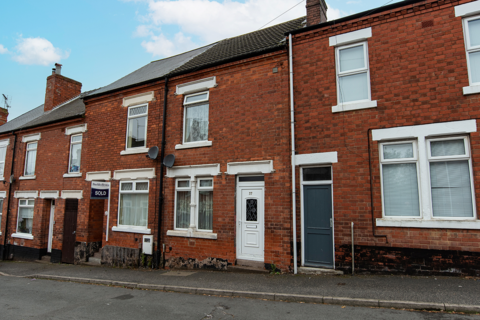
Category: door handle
[73,232]
[331,223]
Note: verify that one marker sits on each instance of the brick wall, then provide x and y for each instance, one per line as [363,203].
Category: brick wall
[417,69]
[60,89]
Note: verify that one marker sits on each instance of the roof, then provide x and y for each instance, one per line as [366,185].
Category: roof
[74,108]
[154,70]
[253,43]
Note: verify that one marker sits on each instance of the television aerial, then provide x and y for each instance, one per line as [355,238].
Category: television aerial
[6,101]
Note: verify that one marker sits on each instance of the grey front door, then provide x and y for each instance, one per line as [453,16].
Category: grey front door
[318,219]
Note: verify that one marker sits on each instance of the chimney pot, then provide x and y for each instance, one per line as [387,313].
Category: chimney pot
[58,68]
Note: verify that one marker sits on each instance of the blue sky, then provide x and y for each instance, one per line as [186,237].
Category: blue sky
[100,41]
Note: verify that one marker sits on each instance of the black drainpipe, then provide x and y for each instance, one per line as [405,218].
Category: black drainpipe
[162,155]
[372,206]
[5,251]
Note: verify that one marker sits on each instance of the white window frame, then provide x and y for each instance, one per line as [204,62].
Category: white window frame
[18,214]
[128,126]
[1,214]
[26,158]
[474,86]
[70,155]
[414,159]
[423,158]
[194,144]
[193,200]
[131,228]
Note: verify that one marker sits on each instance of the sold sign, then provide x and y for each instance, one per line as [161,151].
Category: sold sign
[100,190]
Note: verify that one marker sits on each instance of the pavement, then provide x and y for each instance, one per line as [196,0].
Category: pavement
[461,294]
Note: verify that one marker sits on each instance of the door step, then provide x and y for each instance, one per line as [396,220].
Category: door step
[96,260]
[248,266]
[44,259]
[309,270]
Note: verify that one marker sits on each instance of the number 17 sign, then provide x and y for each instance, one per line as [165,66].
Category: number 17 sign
[100,190]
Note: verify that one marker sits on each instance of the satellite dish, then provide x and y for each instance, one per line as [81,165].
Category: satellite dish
[169,160]
[152,153]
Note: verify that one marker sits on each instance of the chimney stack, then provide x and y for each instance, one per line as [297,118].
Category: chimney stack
[60,89]
[3,116]
[316,12]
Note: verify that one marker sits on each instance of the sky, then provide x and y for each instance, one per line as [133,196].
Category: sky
[100,41]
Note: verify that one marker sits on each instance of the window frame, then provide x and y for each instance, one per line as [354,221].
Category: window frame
[26,158]
[195,201]
[25,206]
[468,48]
[2,161]
[1,214]
[340,74]
[134,117]
[187,105]
[133,191]
[70,155]
[425,196]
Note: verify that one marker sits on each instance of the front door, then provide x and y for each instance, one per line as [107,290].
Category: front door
[318,226]
[250,223]
[50,226]
[69,230]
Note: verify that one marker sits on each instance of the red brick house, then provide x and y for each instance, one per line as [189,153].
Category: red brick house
[386,139]
[40,166]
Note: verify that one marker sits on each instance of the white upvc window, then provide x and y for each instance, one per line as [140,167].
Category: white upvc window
[75,154]
[449,191]
[3,153]
[30,159]
[137,127]
[1,213]
[471,27]
[195,123]
[133,204]
[201,205]
[353,74]
[25,216]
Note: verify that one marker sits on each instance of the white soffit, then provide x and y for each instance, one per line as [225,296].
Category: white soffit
[425,130]
[49,194]
[316,158]
[26,194]
[350,37]
[467,9]
[133,174]
[31,137]
[248,167]
[72,194]
[4,143]
[196,86]
[76,129]
[3,194]
[138,99]
[98,175]
[193,171]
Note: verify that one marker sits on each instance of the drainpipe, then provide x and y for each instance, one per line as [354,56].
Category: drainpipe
[162,155]
[292,126]
[10,183]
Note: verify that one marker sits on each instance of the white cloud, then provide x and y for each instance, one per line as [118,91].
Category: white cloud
[3,49]
[208,21]
[333,14]
[38,51]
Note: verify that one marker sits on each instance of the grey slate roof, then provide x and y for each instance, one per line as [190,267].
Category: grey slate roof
[21,120]
[154,70]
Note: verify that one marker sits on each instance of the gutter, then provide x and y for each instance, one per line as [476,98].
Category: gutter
[292,127]
[9,196]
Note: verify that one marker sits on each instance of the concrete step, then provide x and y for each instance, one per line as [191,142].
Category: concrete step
[44,259]
[97,255]
[250,264]
[94,261]
[319,271]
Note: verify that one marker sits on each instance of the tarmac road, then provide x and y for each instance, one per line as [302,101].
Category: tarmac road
[23,298]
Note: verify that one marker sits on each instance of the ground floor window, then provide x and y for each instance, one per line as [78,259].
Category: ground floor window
[202,202]
[25,216]
[133,207]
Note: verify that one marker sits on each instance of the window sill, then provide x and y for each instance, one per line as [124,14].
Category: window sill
[443,224]
[27,178]
[190,145]
[72,175]
[133,151]
[189,234]
[132,230]
[471,90]
[22,236]
[354,106]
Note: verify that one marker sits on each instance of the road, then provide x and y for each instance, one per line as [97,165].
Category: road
[22,298]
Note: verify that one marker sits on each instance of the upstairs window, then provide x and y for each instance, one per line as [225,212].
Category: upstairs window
[137,127]
[196,117]
[3,153]
[30,159]
[472,44]
[75,154]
